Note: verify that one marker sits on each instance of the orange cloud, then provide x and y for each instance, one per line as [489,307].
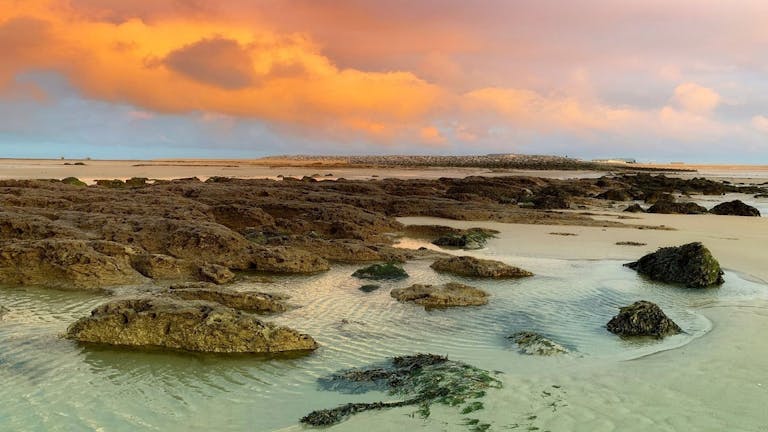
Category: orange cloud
[695,98]
[184,64]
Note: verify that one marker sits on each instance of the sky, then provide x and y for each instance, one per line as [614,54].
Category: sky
[683,80]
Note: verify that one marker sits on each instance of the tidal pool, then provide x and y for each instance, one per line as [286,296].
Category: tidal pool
[51,384]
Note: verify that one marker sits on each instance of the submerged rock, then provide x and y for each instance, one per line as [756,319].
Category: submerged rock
[535,344]
[369,288]
[188,325]
[388,271]
[441,296]
[3,311]
[256,302]
[735,208]
[421,380]
[475,267]
[691,264]
[642,318]
[669,207]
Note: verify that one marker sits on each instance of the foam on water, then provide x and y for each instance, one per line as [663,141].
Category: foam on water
[54,384]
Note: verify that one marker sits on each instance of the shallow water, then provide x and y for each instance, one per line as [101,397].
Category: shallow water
[53,384]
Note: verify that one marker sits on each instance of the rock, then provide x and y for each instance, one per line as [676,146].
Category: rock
[161,267]
[441,296]
[642,318]
[692,265]
[654,197]
[470,241]
[216,274]
[3,310]
[735,208]
[474,267]
[669,207]
[112,184]
[255,302]
[634,208]
[73,181]
[550,202]
[67,264]
[189,325]
[615,195]
[287,260]
[369,288]
[388,271]
[535,344]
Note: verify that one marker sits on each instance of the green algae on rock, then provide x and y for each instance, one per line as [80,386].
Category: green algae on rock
[421,379]
[642,318]
[185,325]
[388,271]
[532,343]
[692,265]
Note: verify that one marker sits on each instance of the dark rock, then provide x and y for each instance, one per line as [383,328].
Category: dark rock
[692,265]
[615,195]
[388,271]
[634,208]
[642,318]
[441,296]
[369,288]
[535,344]
[654,197]
[188,325]
[474,267]
[668,207]
[735,208]
[550,202]
[469,241]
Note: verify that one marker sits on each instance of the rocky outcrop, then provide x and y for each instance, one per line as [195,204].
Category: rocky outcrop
[642,318]
[441,296]
[479,268]
[286,260]
[162,267]
[189,325]
[247,301]
[388,271]
[79,264]
[535,344]
[216,274]
[615,195]
[735,208]
[468,240]
[691,265]
[670,207]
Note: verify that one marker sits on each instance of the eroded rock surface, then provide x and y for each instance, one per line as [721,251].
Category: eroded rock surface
[441,296]
[189,325]
[479,268]
[642,318]
[692,265]
[388,271]
[247,301]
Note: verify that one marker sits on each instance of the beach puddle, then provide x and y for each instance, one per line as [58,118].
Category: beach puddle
[53,384]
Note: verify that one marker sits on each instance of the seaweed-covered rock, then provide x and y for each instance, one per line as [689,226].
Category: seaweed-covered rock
[368,288]
[421,380]
[615,195]
[187,325]
[535,344]
[73,181]
[388,271]
[475,267]
[248,301]
[470,240]
[642,318]
[634,208]
[656,196]
[550,202]
[669,207]
[735,208]
[441,296]
[692,265]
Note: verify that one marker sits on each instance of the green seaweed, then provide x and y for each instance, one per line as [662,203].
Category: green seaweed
[388,271]
[421,380]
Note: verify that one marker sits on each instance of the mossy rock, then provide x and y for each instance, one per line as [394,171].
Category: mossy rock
[692,265]
[388,271]
[74,181]
[369,288]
